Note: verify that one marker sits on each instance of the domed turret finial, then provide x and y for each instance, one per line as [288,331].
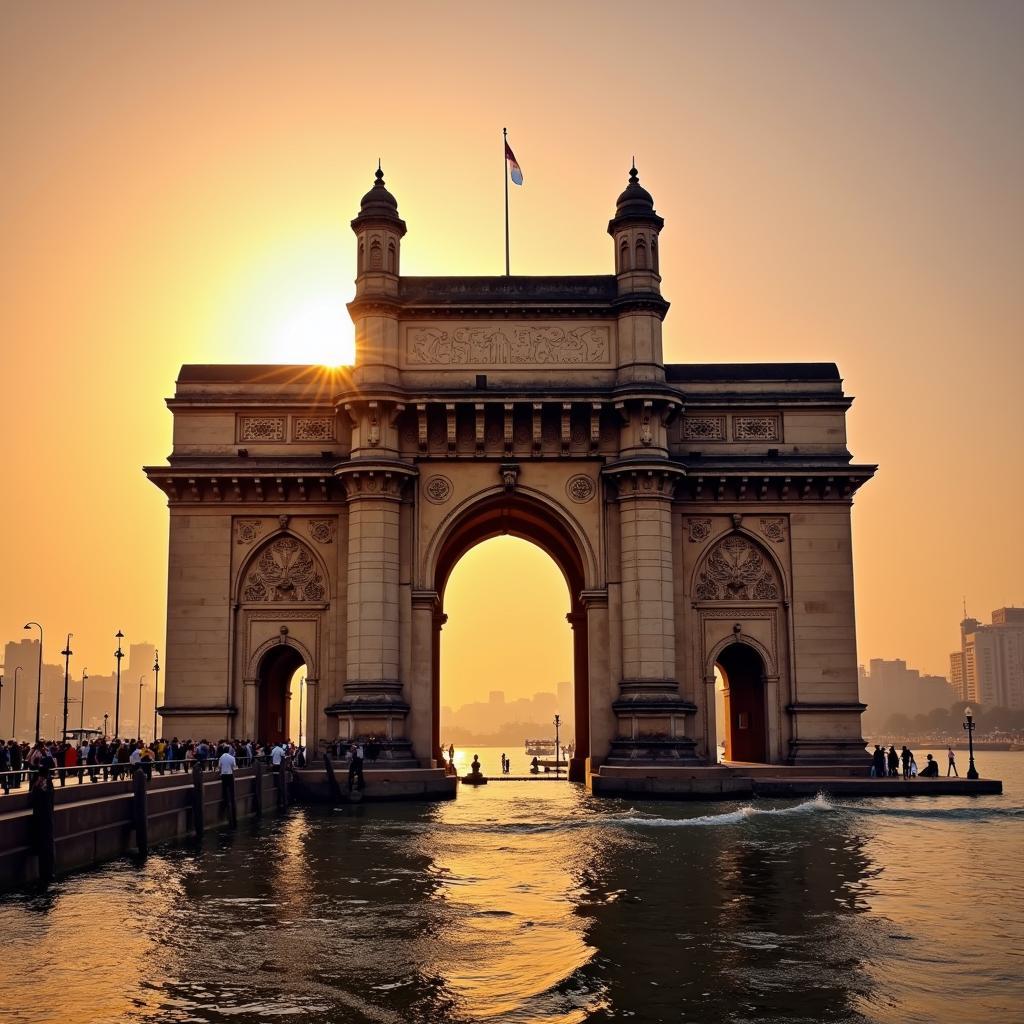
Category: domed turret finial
[379,203]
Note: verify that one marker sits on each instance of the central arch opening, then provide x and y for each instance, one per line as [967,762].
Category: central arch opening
[515,599]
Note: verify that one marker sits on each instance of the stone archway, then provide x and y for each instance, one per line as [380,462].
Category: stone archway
[273,692]
[517,514]
[746,703]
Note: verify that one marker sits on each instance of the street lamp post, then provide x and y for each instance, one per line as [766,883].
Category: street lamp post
[119,654]
[39,676]
[558,760]
[14,713]
[105,717]
[138,735]
[302,686]
[67,665]
[969,727]
[156,688]
[81,717]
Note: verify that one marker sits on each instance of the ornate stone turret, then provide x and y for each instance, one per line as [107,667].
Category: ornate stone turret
[634,230]
[379,231]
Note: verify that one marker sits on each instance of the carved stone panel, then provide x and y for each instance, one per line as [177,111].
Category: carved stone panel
[699,530]
[507,345]
[703,428]
[755,428]
[321,530]
[247,530]
[313,428]
[285,571]
[438,489]
[580,488]
[774,529]
[735,570]
[261,428]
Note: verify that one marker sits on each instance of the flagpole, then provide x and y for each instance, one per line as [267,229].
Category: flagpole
[504,164]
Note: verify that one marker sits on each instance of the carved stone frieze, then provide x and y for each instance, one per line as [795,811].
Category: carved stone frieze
[285,571]
[376,482]
[261,428]
[735,570]
[580,488]
[698,530]
[774,529]
[247,530]
[755,428]
[703,428]
[507,345]
[313,428]
[437,489]
[321,530]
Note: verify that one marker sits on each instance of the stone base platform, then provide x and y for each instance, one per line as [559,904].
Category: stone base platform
[737,782]
[312,785]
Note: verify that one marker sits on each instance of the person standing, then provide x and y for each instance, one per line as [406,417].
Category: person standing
[906,757]
[951,766]
[878,763]
[227,765]
[355,766]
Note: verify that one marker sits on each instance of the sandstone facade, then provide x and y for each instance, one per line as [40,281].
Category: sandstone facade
[700,514]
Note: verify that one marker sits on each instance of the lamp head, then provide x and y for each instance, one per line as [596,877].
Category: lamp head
[968,713]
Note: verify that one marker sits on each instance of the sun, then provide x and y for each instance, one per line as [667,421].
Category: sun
[311,328]
[287,305]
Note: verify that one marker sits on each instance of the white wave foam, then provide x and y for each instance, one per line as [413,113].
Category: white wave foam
[820,803]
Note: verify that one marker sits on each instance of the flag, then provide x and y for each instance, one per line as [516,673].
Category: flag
[513,165]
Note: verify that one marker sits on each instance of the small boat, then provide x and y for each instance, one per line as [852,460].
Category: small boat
[475,780]
[540,748]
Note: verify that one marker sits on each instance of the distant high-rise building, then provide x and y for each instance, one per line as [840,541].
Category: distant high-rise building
[889,688]
[565,697]
[989,667]
[496,697]
[140,660]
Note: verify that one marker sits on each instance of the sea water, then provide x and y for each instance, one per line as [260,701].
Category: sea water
[533,901]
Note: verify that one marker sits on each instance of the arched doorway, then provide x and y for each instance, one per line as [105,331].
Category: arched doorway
[744,704]
[274,684]
[518,515]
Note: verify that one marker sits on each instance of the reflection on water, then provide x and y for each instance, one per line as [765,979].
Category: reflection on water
[535,902]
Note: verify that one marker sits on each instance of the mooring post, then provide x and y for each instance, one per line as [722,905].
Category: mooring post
[43,830]
[257,792]
[197,800]
[333,789]
[140,812]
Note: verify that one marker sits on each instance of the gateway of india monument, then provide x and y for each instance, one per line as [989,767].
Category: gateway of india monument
[700,514]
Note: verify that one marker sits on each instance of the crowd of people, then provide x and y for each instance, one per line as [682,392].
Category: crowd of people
[104,759]
[892,764]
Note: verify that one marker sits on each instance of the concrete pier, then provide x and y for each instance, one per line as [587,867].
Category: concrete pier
[740,781]
[93,823]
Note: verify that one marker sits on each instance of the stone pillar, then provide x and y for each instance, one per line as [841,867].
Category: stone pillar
[372,699]
[424,716]
[601,688]
[650,711]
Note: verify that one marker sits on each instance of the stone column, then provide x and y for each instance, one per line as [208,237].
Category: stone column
[650,711]
[424,716]
[372,695]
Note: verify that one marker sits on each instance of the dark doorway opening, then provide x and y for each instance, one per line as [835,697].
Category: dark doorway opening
[277,668]
[746,731]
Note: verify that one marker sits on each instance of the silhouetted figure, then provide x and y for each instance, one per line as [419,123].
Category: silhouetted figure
[894,762]
[951,767]
[906,756]
[474,768]
[535,766]
[878,762]
[931,769]
[355,767]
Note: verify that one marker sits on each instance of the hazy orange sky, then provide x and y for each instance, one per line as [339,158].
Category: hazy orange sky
[839,182]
